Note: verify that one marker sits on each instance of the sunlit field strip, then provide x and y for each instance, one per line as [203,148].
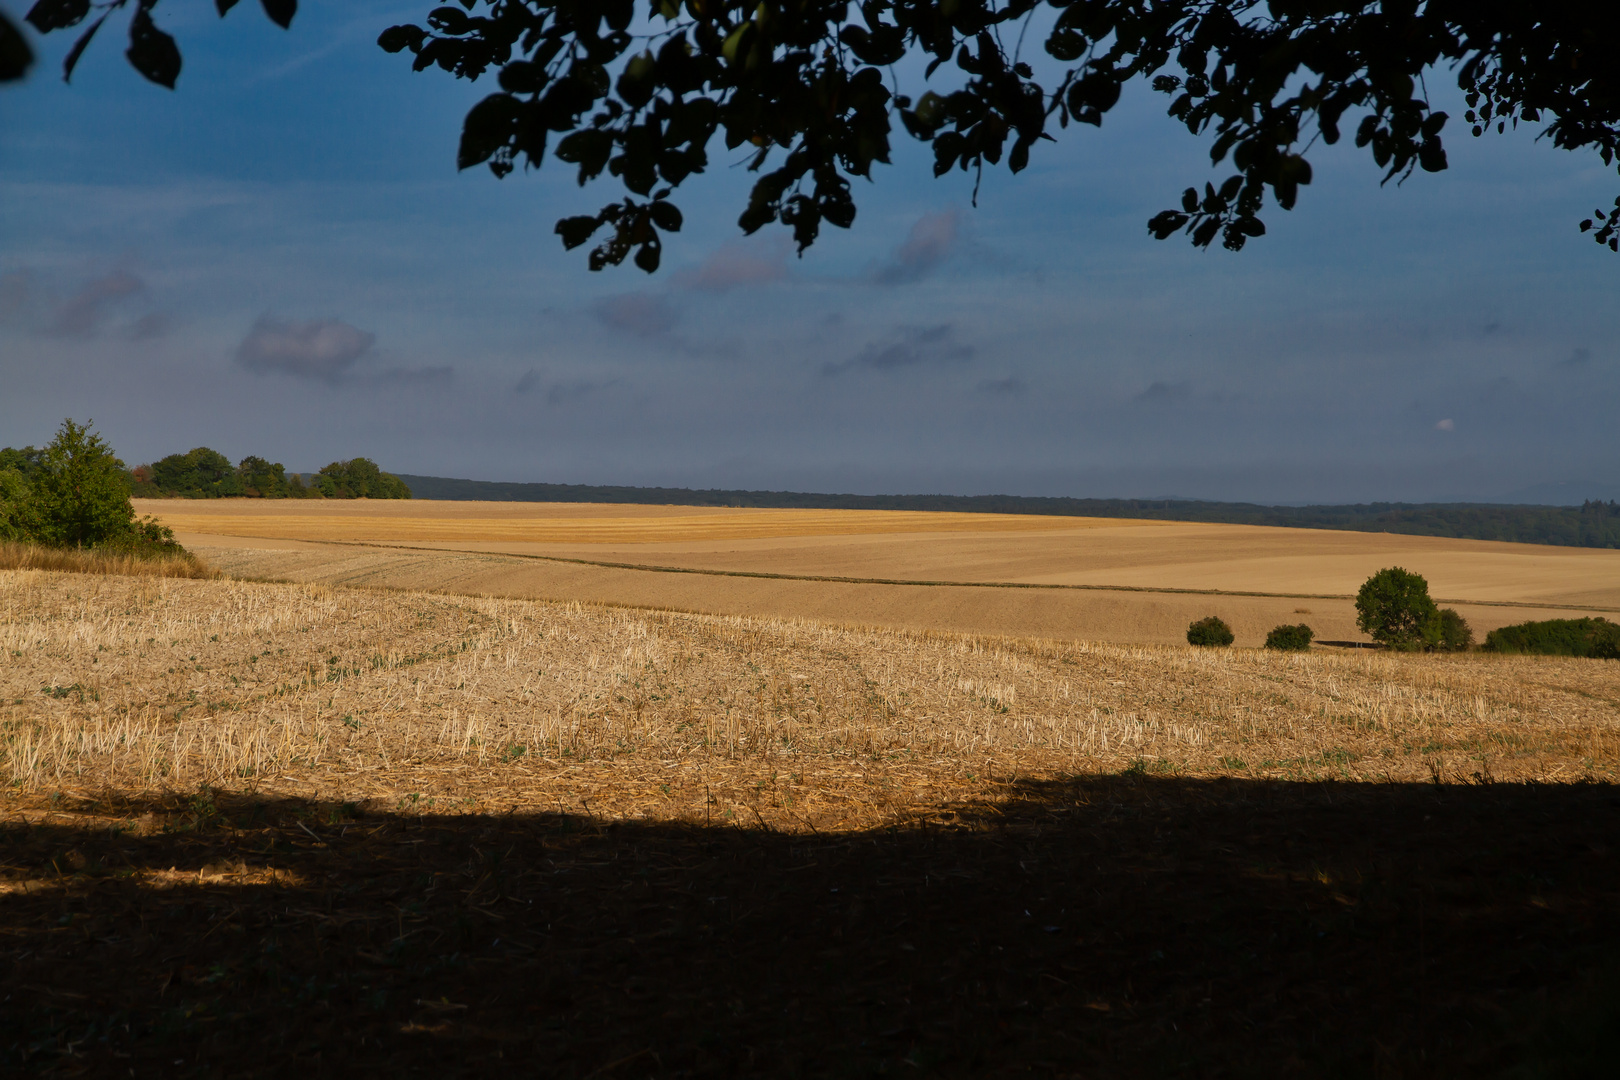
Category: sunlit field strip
[114,683]
[449,522]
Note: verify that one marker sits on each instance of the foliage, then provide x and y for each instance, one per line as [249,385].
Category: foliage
[200,473]
[26,461]
[809,90]
[16,506]
[1455,633]
[1210,631]
[359,479]
[79,494]
[15,55]
[265,479]
[1287,638]
[1394,609]
[1596,637]
[207,474]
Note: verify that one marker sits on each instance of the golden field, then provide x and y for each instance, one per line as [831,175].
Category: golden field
[1074,578]
[258,826]
[136,684]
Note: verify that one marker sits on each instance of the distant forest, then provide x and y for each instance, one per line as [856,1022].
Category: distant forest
[207,474]
[1593,524]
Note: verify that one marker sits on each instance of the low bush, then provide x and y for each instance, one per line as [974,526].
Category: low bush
[1210,631]
[1287,638]
[1597,638]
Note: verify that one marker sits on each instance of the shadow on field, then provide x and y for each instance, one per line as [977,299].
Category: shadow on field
[1108,926]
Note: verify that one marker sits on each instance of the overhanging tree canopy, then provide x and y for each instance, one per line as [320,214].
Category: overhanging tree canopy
[809,90]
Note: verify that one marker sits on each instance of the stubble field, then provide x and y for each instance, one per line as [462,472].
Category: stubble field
[650,792]
[255,826]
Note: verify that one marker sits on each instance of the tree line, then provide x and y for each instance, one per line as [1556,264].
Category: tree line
[203,473]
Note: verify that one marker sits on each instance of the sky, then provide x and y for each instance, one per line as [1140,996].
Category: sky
[279,258]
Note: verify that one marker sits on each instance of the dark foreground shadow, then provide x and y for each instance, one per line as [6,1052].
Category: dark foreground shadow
[1113,926]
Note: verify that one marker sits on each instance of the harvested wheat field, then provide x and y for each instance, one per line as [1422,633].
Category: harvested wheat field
[253,825]
[1076,578]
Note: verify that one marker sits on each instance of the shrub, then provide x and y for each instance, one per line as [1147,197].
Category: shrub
[1210,631]
[1455,633]
[1287,638]
[1394,609]
[1597,638]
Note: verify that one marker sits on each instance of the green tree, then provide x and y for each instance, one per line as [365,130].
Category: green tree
[199,473]
[17,512]
[1210,631]
[1394,609]
[811,88]
[80,494]
[1455,633]
[359,478]
[25,461]
[261,478]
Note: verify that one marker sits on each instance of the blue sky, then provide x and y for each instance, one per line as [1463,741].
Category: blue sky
[280,258]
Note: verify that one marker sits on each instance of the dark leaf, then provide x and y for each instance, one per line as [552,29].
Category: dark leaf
[521,76]
[398,38]
[1432,156]
[223,6]
[48,15]
[281,12]
[71,61]
[1166,224]
[152,52]
[589,149]
[15,55]
[666,216]
[488,128]
[576,230]
[1068,46]
[648,255]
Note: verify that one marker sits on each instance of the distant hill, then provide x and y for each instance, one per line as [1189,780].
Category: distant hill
[1593,524]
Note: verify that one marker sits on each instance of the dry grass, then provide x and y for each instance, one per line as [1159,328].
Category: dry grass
[76,561]
[157,685]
